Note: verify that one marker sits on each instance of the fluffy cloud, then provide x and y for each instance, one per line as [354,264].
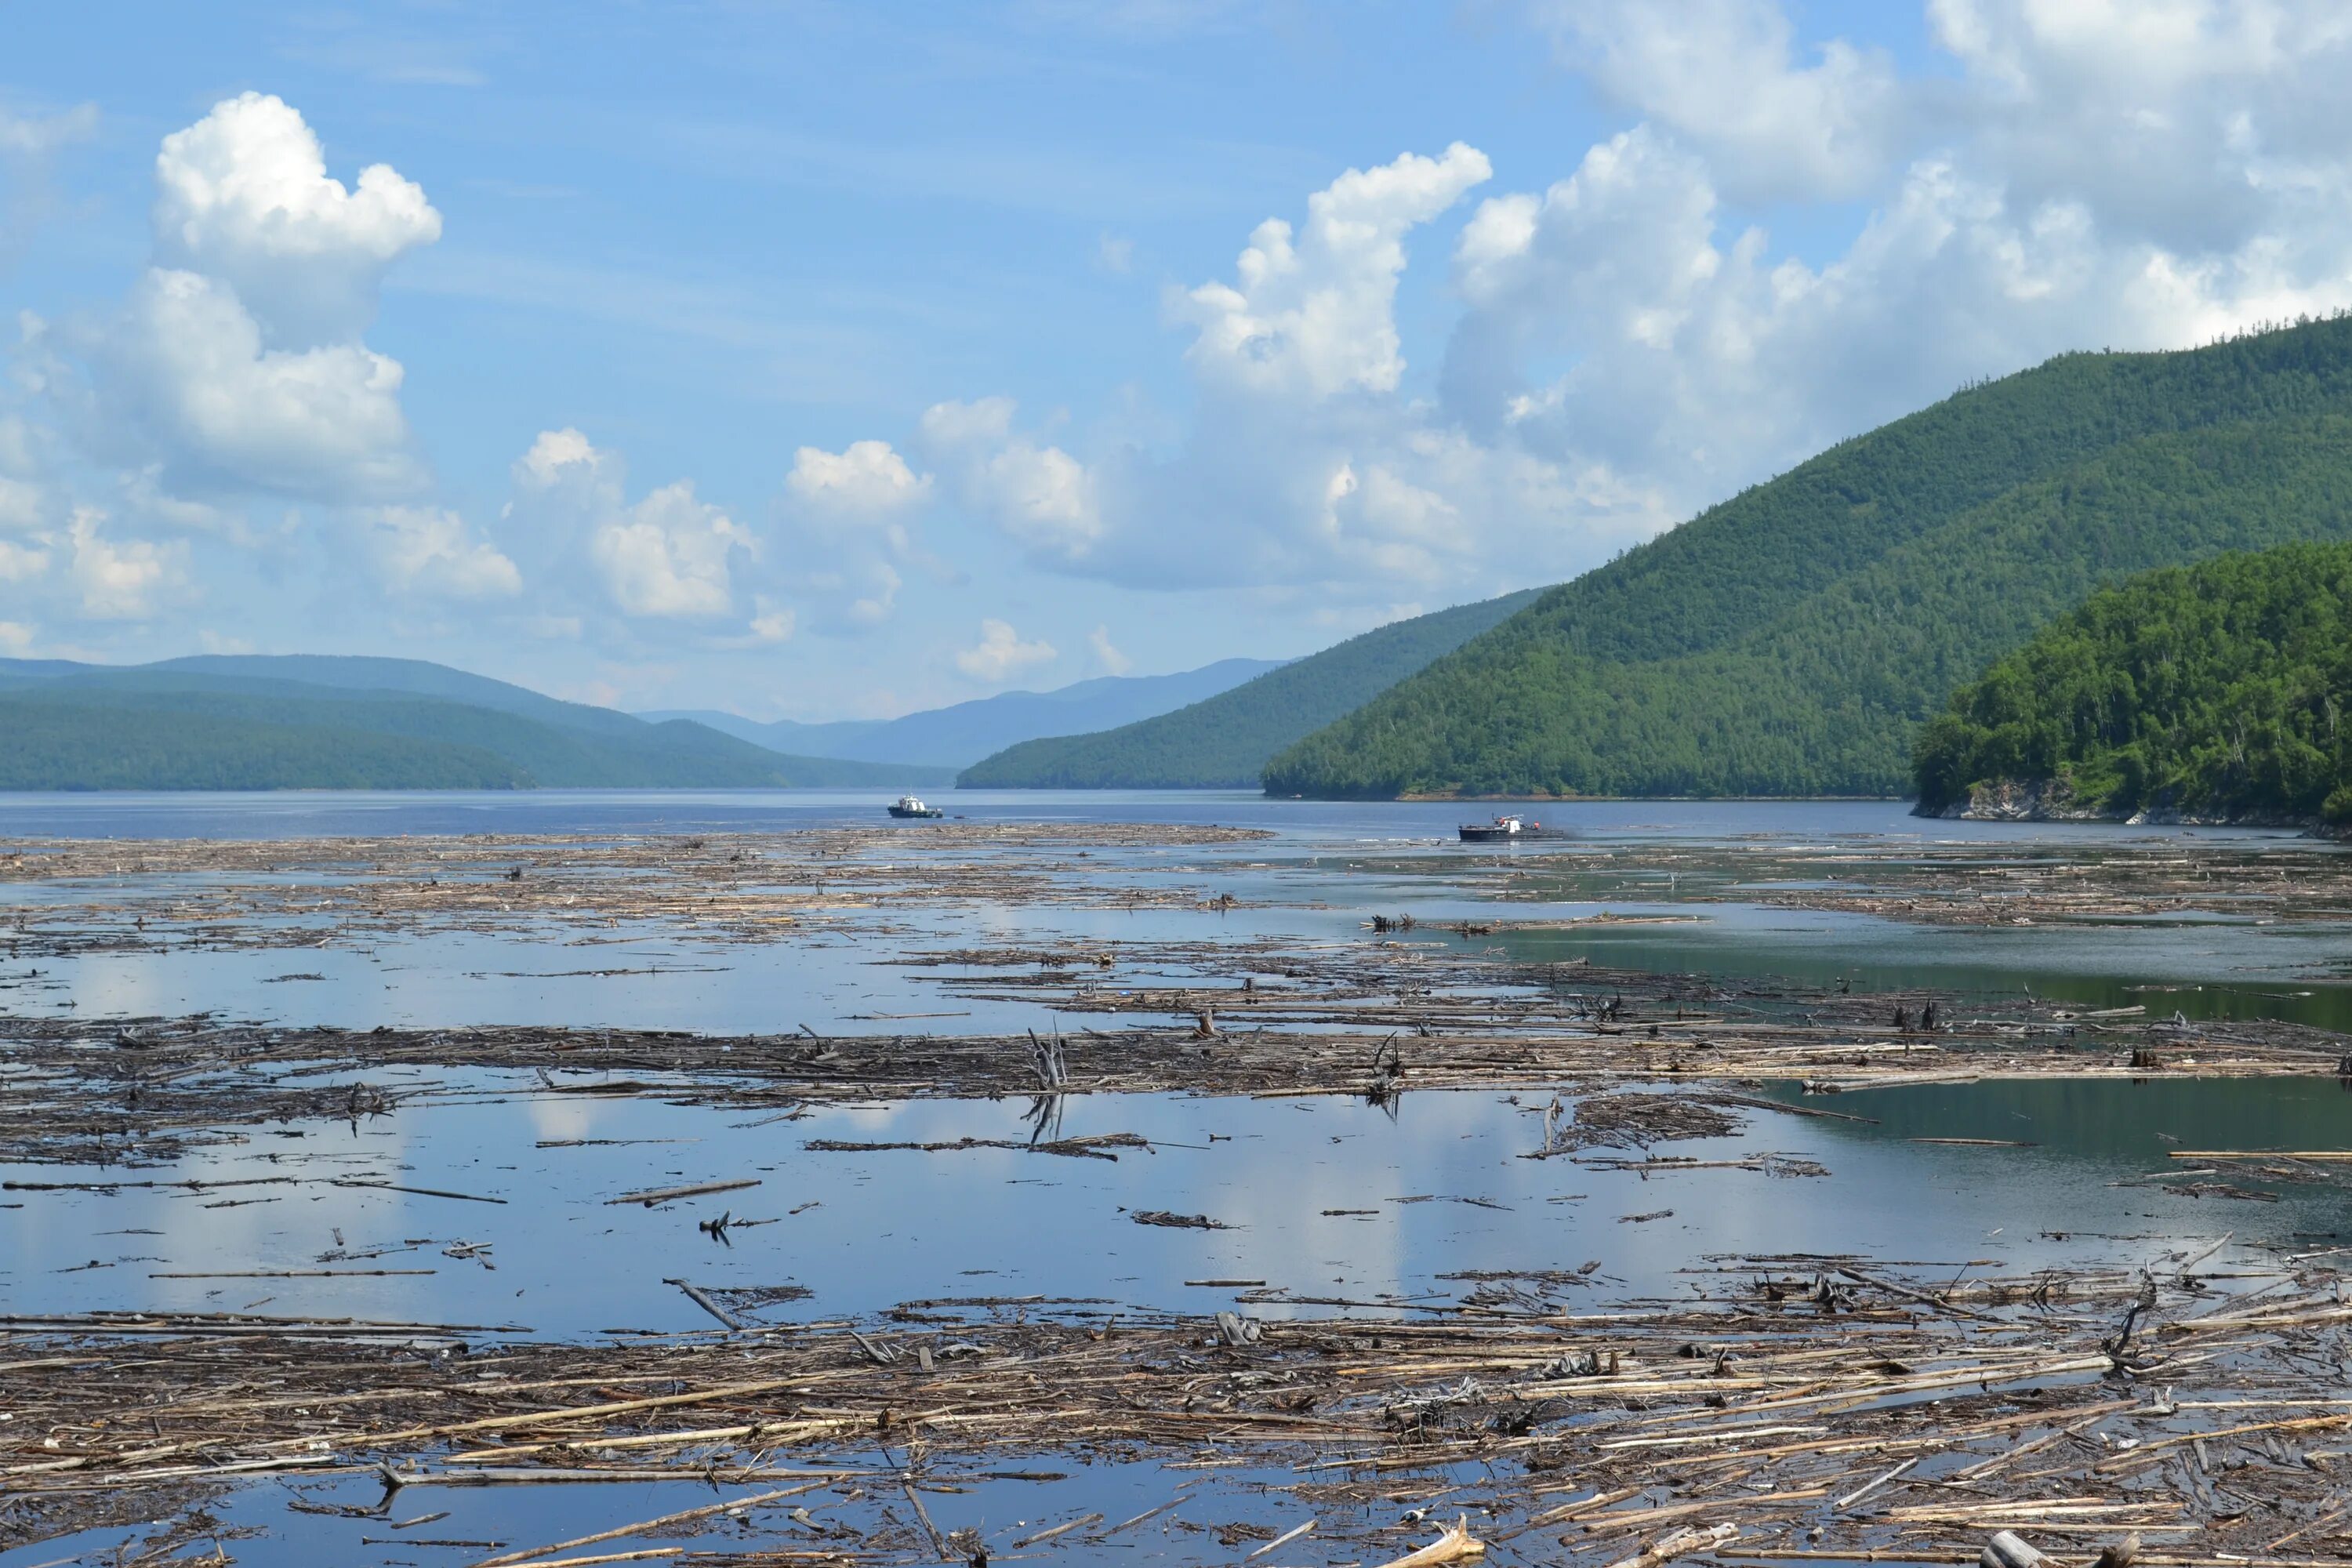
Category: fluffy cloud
[1306,467]
[236,366]
[1311,315]
[864,479]
[244,197]
[669,555]
[1042,498]
[1725,75]
[2189,124]
[1000,654]
[126,579]
[186,374]
[1630,347]
[2027,225]
[429,551]
[845,528]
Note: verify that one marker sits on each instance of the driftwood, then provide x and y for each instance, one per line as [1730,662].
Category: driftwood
[1682,1543]
[1455,1546]
[653,1196]
[2008,1550]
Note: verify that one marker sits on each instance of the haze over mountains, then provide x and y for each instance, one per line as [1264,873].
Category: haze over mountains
[965,732]
[306,722]
[1225,742]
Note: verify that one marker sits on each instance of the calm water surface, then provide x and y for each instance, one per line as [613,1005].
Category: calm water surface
[1327,867]
[1323,1200]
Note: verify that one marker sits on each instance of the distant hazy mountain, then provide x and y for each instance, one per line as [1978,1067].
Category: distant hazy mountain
[313,722]
[1224,741]
[957,736]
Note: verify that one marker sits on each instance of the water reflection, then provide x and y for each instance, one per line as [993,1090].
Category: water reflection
[1327,867]
[1326,1200]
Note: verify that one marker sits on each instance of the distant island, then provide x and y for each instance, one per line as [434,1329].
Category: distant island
[2221,692]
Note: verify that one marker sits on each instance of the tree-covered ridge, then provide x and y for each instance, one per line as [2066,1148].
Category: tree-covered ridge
[1790,640]
[1223,742]
[146,729]
[49,745]
[2222,690]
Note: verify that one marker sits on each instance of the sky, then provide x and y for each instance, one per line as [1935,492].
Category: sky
[831,360]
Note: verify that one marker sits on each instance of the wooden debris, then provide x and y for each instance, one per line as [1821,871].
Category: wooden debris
[1455,1546]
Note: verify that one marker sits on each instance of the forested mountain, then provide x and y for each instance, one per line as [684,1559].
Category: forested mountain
[181,725]
[1224,743]
[2222,690]
[965,732]
[415,677]
[1790,640]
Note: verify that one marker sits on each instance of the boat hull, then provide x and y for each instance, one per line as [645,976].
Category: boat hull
[903,813]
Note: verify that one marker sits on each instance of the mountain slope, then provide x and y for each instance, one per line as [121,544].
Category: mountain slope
[82,746]
[788,735]
[417,676]
[1223,742]
[174,727]
[967,732]
[1790,640]
[2218,690]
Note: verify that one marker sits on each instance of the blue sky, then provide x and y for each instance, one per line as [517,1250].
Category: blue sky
[832,360]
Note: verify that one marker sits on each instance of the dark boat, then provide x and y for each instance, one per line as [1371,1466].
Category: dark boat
[1510,828]
[908,805]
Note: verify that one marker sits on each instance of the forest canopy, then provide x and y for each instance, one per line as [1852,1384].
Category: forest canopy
[2218,690]
[1792,640]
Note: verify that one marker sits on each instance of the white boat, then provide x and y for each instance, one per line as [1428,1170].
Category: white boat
[910,805]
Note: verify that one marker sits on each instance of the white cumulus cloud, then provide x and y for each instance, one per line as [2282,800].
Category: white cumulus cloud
[1311,314]
[235,367]
[1000,654]
[122,580]
[844,528]
[431,552]
[243,195]
[1043,498]
[187,372]
[866,478]
[1728,77]
[669,555]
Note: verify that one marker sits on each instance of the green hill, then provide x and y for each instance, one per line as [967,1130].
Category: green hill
[1790,640]
[2218,690]
[1222,741]
[86,746]
[172,726]
[414,677]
